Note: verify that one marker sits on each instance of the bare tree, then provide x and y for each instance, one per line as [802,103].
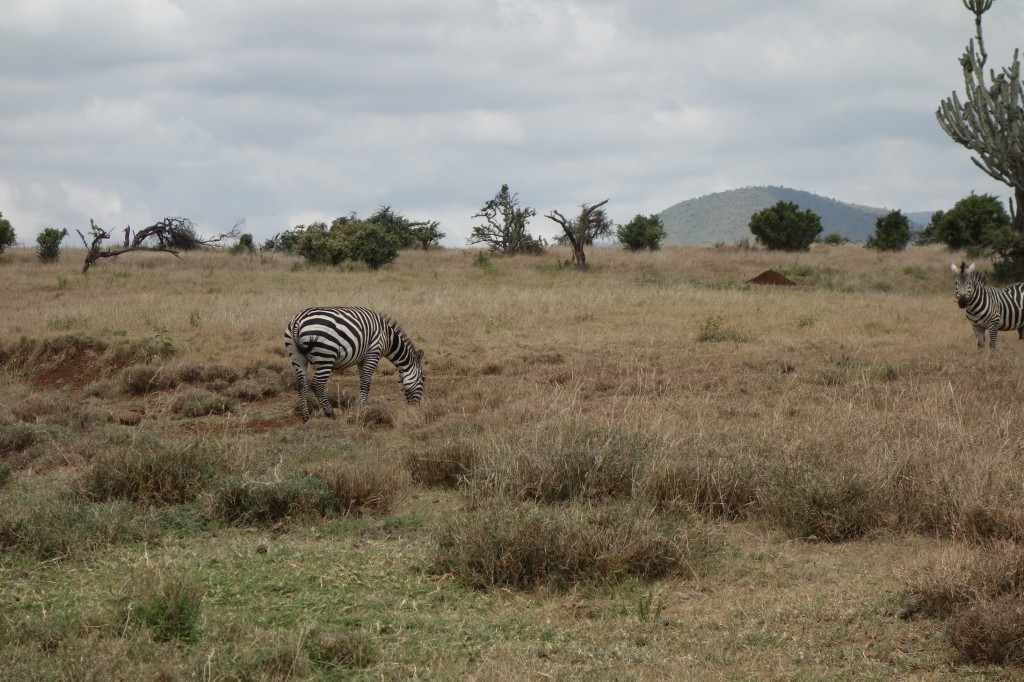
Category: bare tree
[582,230]
[990,120]
[170,235]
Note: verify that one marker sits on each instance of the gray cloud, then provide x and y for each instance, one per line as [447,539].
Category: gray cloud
[125,111]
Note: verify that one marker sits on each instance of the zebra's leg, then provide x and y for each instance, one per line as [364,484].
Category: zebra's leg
[1020,333]
[320,375]
[979,333]
[992,334]
[299,363]
[366,370]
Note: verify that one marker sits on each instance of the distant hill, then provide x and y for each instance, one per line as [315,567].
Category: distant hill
[725,216]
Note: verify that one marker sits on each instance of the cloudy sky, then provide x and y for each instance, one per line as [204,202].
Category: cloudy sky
[282,112]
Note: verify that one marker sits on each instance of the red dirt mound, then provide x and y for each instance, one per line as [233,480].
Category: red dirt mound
[772,277]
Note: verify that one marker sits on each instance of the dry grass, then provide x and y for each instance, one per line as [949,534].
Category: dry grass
[851,409]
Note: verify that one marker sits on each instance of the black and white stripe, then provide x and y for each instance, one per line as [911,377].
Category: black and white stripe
[990,309]
[325,338]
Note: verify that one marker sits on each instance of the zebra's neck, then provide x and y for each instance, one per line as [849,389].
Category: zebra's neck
[398,348]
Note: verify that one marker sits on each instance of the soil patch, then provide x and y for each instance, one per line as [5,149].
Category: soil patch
[77,371]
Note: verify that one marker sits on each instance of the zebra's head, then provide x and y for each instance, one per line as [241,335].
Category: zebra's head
[411,379]
[966,282]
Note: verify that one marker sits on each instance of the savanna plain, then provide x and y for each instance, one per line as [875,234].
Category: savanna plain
[650,470]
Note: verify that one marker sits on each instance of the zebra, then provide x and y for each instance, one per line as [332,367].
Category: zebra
[988,308]
[341,337]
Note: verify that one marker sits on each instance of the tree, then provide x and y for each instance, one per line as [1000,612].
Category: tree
[990,122]
[784,227]
[169,235]
[581,231]
[505,230]
[428,234]
[892,232]
[49,244]
[7,237]
[642,232]
[970,224]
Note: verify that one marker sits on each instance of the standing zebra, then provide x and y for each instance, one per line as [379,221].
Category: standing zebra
[341,337]
[989,308]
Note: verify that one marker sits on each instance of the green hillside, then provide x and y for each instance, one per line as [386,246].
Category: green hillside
[725,216]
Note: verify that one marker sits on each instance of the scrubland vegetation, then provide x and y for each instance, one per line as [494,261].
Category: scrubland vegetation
[650,470]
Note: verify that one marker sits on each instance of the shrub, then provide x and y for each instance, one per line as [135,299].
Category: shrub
[5,474]
[642,232]
[49,244]
[245,245]
[783,227]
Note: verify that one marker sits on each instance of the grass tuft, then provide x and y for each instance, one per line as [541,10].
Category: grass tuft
[170,609]
[526,545]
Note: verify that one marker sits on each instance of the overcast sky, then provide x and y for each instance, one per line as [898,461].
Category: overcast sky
[286,112]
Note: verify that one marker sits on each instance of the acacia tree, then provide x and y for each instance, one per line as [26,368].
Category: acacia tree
[505,229]
[590,224]
[990,122]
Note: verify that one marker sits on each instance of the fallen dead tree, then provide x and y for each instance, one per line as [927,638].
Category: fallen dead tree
[170,235]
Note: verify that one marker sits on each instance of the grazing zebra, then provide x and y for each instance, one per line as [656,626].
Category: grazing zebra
[989,308]
[341,337]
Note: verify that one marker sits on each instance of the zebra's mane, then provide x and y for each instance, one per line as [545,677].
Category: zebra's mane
[399,331]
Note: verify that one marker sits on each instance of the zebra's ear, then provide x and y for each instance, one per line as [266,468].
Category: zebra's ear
[955,268]
[970,268]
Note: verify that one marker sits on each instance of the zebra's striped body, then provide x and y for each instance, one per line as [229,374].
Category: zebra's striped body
[989,309]
[325,338]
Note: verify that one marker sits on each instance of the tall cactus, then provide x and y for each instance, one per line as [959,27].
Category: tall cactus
[990,121]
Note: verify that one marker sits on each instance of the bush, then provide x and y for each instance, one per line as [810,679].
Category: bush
[7,237]
[834,239]
[783,227]
[49,244]
[347,239]
[245,245]
[829,506]
[642,232]
[892,233]
[57,530]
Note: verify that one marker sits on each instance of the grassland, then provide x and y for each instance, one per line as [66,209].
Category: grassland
[650,470]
